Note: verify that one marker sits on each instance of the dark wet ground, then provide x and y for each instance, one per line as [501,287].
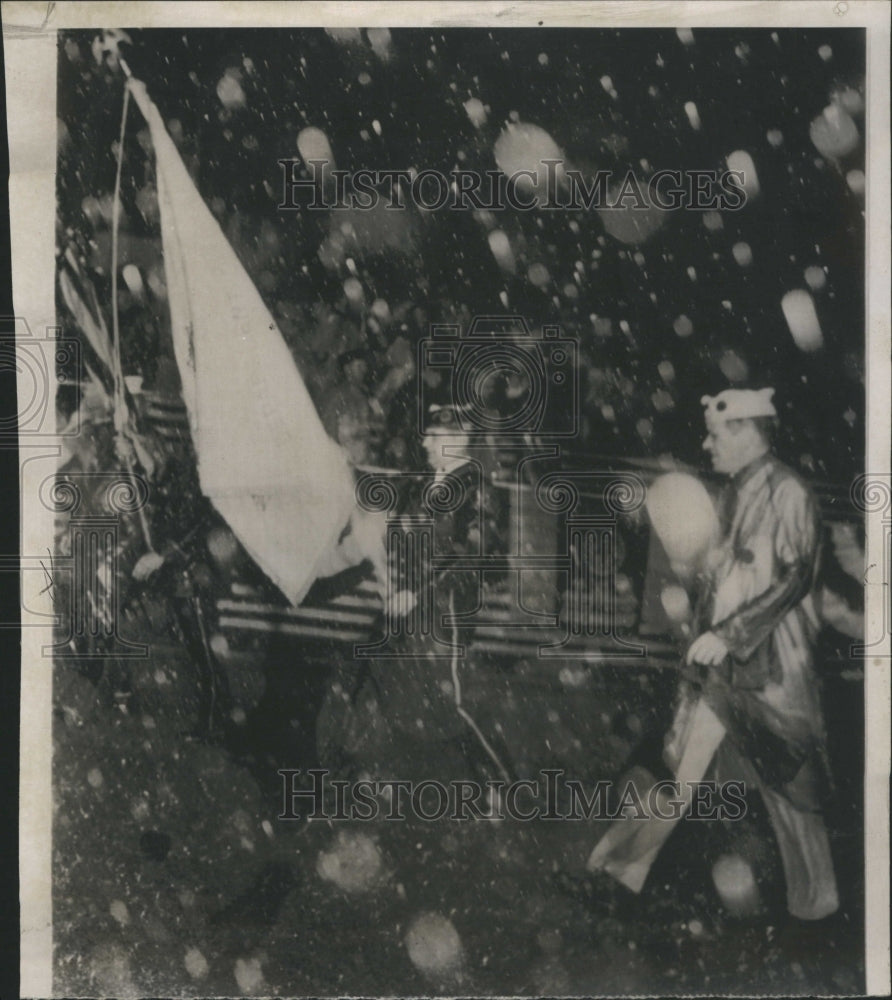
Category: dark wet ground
[173,875]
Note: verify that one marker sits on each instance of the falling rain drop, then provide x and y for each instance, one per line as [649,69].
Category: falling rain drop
[229,89]
[380,39]
[645,429]
[345,35]
[799,312]
[833,132]
[133,280]
[433,945]
[312,144]
[736,885]
[733,367]
[850,99]
[741,162]
[353,291]
[743,254]
[475,111]
[538,275]
[675,603]
[500,246]
[683,326]
[815,278]
[856,181]
[522,146]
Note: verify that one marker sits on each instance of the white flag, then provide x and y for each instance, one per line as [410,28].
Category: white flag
[264,458]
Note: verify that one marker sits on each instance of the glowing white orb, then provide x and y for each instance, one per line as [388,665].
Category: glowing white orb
[833,133]
[522,146]
[675,603]
[856,181]
[683,326]
[345,35]
[476,112]
[354,863]
[538,275]
[90,208]
[683,516]
[628,222]
[229,90]
[433,945]
[850,99]
[736,885]
[743,254]
[815,278]
[222,546]
[353,291]
[381,310]
[799,312]
[313,144]
[500,246]
[219,645]
[133,280]
[380,39]
[733,367]
[741,162]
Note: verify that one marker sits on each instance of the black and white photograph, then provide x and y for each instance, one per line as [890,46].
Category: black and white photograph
[455,499]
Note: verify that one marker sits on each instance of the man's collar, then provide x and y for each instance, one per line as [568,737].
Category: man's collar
[745,474]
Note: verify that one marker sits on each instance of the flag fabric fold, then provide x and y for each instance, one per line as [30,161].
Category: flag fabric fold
[264,459]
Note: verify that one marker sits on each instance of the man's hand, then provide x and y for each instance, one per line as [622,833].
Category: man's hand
[707,649]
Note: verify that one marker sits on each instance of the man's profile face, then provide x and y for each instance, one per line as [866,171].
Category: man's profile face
[726,442]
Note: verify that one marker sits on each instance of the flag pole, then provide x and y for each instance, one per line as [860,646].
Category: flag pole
[116,219]
[120,415]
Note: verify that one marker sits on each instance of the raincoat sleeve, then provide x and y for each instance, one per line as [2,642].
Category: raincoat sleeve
[796,542]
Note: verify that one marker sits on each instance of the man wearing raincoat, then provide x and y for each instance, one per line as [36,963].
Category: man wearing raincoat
[749,704]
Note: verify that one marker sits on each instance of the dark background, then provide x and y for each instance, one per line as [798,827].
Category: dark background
[744,83]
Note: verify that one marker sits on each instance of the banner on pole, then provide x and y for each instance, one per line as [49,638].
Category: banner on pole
[264,458]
